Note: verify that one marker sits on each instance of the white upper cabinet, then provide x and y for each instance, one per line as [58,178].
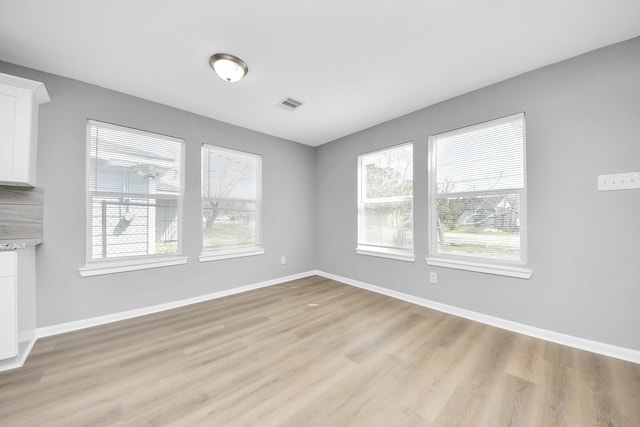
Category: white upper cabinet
[19,102]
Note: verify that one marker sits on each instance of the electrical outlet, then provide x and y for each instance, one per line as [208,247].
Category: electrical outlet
[433,277]
[619,181]
[283,260]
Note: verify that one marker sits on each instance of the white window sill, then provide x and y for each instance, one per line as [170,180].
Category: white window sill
[501,270]
[386,253]
[236,253]
[120,266]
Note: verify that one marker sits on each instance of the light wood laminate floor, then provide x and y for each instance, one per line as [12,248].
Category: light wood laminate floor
[313,352]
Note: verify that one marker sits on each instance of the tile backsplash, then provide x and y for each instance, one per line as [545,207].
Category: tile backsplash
[21,213]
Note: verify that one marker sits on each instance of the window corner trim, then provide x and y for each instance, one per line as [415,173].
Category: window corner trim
[206,256]
[500,270]
[121,266]
[382,253]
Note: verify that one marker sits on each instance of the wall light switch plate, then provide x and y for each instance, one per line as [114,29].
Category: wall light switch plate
[619,181]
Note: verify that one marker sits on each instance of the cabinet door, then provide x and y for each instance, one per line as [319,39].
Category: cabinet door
[8,100]
[8,263]
[16,145]
[8,322]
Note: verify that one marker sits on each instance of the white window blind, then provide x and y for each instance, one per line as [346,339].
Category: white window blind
[385,200]
[231,196]
[478,192]
[135,189]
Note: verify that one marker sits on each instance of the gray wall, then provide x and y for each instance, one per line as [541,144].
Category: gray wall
[63,296]
[583,119]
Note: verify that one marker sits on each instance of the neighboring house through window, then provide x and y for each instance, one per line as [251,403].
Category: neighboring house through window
[385,203]
[231,203]
[135,191]
[477,198]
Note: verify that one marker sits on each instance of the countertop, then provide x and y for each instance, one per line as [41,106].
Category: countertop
[13,244]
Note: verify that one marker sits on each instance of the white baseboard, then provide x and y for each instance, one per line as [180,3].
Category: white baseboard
[62,328]
[544,334]
[25,345]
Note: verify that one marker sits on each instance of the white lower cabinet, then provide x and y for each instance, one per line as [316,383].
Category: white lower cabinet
[17,306]
[8,306]
[8,318]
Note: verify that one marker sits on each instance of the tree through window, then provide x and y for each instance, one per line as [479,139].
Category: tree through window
[477,192]
[385,202]
[230,199]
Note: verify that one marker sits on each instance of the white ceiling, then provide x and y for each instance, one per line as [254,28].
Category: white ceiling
[354,64]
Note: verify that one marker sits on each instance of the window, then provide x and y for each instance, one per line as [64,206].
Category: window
[134,193]
[231,197]
[385,203]
[477,198]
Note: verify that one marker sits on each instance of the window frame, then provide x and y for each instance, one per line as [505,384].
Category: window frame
[512,268]
[100,266]
[227,253]
[394,253]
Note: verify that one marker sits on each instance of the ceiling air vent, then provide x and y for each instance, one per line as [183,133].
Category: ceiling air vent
[289,104]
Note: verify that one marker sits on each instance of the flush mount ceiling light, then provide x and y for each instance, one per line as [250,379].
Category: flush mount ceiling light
[228,67]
